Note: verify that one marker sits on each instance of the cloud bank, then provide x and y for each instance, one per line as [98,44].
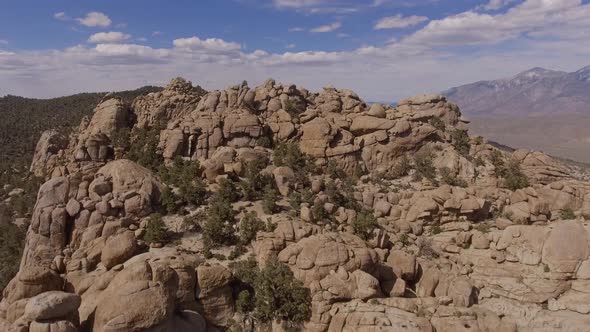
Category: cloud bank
[454,50]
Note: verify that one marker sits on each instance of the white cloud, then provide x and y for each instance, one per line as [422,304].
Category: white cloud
[497,4]
[549,34]
[61,16]
[95,19]
[339,7]
[3,42]
[296,29]
[472,28]
[334,10]
[142,39]
[112,37]
[399,21]
[131,50]
[157,33]
[302,58]
[290,46]
[377,3]
[212,44]
[327,28]
[296,3]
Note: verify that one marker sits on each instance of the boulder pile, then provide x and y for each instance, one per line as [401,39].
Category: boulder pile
[392,218]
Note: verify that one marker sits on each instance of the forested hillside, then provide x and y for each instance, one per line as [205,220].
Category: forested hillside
[22,120]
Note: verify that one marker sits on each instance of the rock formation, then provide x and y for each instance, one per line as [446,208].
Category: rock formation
[393,218]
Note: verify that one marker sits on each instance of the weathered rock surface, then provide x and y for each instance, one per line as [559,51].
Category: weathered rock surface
[448,251]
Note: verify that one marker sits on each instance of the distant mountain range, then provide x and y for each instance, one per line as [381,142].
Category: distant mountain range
[540,109]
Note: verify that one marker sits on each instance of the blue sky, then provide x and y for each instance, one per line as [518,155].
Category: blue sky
[384,49]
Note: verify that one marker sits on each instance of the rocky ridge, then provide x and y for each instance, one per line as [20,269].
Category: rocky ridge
[465,237]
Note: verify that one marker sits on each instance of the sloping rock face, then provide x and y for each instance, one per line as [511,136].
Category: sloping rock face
[47,151]
[434,245]
[540,167]
[177,100]
[94,140]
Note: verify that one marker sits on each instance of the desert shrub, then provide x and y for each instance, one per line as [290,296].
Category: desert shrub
[424,165]
[244,303]
[254,182]
[180,171]
[460,140]
[319,212]
[144,148]
[478,161]
[245,271]
[483,227]
[359,170]
[121,138]
[169,201]
[269,200]
[270,226]
[155,231]
[497,159]
[291,108]
[271,293]
[333,171]
[348,188]
[567,214]
[249,226]
[451,179]
[185,175]
[437,123]
[514,178]
[236,252]
[511,172]
[227,191]
[193,192]
[193,223]
[334,194]
[289,154]
[296,198]
[436,229]
[364,224]
[219,225]
[264,141]
[343,195]
[404,239]
[12,238]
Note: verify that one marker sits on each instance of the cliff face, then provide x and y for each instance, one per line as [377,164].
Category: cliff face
[390,217]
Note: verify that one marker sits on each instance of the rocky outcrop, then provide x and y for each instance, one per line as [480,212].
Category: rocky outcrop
[540,167]
[405,244]
[94,140]
[48,152]
[177,100]
[214,294]
[313,258]
[332,125]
